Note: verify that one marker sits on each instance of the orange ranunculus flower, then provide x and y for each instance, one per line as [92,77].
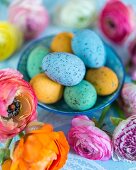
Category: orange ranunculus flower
[41,149]
[6,165]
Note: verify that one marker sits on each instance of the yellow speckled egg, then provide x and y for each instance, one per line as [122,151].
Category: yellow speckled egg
[46,90]
[10,39]
[62,42]
[104,80]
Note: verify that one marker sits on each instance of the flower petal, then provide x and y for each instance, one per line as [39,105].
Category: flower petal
[10,74]
[124,138]
[82,121]
[90,142]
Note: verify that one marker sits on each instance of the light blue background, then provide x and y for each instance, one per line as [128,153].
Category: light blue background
[60,122]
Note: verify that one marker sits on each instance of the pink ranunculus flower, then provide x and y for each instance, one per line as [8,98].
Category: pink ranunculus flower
[127,99]
[124,140]
[132,72]
[116,21]
[30,16]
[17,103]
[131,47]
[132,51]
[88,140]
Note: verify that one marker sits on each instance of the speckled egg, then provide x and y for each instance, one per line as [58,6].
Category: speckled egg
[62,42]
[80,97]
[87,45]
[46,90]
[35,60]
[104,80]
[64,68]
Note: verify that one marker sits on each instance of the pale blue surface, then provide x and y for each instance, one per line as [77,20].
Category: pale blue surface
[74,162]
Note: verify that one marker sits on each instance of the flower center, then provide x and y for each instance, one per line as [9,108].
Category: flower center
[14,108]
[86,150]
[134,50]
[111,24]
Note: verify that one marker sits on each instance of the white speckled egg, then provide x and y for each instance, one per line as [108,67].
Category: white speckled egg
[88,46]
[64,68]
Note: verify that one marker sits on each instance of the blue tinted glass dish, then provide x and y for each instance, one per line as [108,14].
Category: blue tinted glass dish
[113,62]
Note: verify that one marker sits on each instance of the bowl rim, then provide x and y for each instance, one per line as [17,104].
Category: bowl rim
[85,112]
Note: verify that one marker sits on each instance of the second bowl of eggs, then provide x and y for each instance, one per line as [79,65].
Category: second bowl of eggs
[73,73]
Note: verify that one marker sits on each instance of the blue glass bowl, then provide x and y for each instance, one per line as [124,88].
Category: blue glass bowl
[61,107]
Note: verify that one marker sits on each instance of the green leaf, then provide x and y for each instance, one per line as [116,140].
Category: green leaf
[115,120]
[134,81]
[118,110]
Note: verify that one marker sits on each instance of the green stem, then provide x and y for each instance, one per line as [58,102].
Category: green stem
[7,145]
[5,152]
[119,111]
[21,135]
[127,67]
[101,119]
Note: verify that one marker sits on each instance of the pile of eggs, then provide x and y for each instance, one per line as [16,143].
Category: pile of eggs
[73,68]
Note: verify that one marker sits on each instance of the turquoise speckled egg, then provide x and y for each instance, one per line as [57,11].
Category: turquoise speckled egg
[35,60]
[64,68]
[80,97]
[87,45]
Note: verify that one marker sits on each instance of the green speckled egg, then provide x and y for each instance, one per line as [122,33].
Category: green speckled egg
[34,62]
[80,97]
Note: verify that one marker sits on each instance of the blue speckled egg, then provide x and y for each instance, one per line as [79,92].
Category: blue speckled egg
[87,45]
[64,68]
[80,97]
